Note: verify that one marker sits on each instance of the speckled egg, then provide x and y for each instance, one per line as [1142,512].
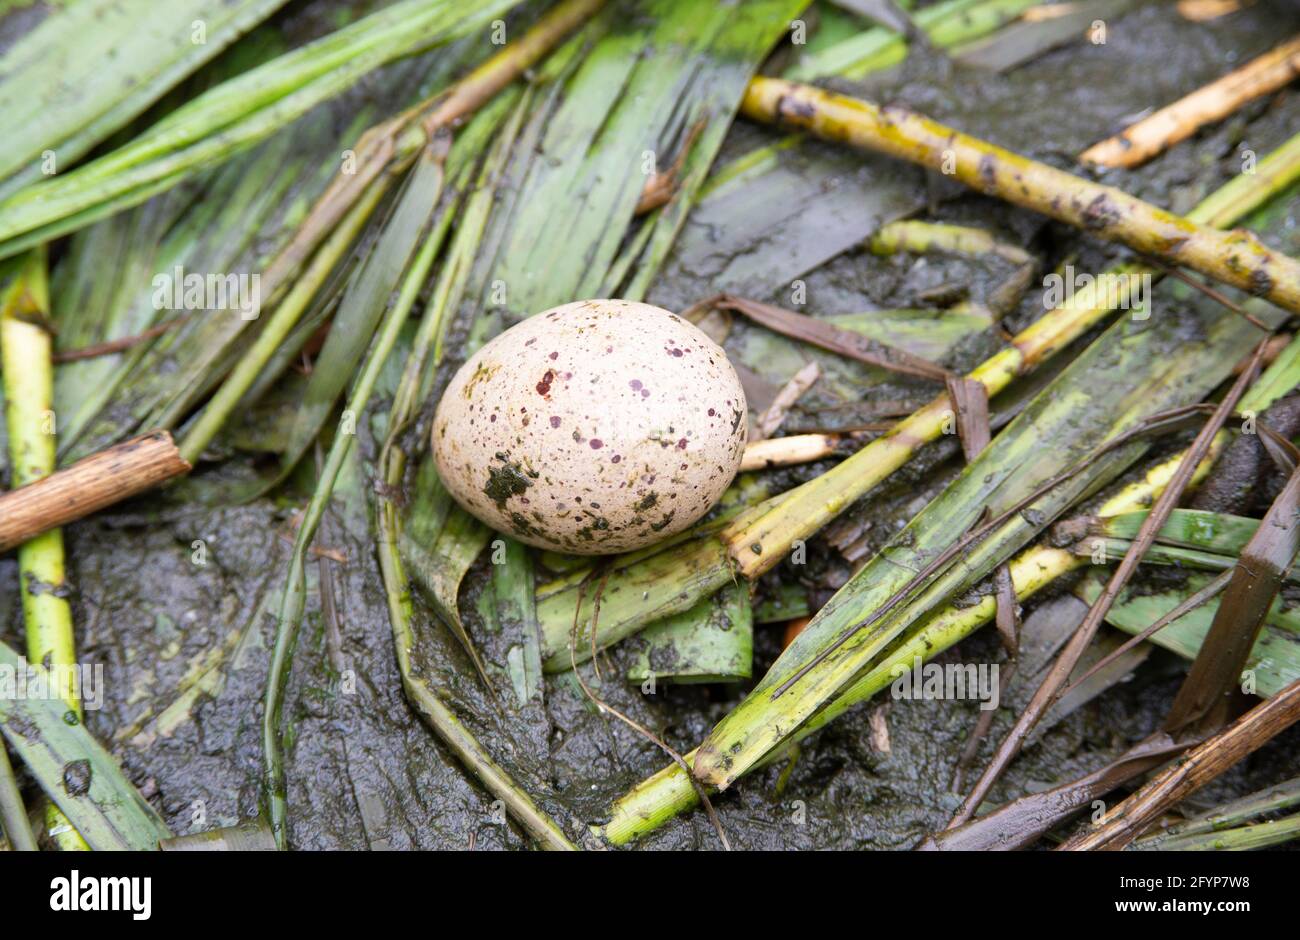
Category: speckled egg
[596,427]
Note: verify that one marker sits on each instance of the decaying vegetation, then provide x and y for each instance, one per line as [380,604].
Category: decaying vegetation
[1016,351]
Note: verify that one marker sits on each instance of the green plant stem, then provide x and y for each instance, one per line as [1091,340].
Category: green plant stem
[919,236]
[1230,815]
[13,815]
[25,350]
[1241,839]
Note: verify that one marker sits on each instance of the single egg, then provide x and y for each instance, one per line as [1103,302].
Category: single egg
[597,427]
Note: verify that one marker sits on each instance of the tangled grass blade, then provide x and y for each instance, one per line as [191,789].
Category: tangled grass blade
[438,540]
[776,212]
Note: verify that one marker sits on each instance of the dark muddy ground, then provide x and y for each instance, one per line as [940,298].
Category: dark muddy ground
[185,646]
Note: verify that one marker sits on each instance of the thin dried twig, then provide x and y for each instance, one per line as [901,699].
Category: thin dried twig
[1203,596]
[660,187]
[1202,764]
[1215,295]
[1022,821]
[118,345]
[784,451]
[1203,11]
